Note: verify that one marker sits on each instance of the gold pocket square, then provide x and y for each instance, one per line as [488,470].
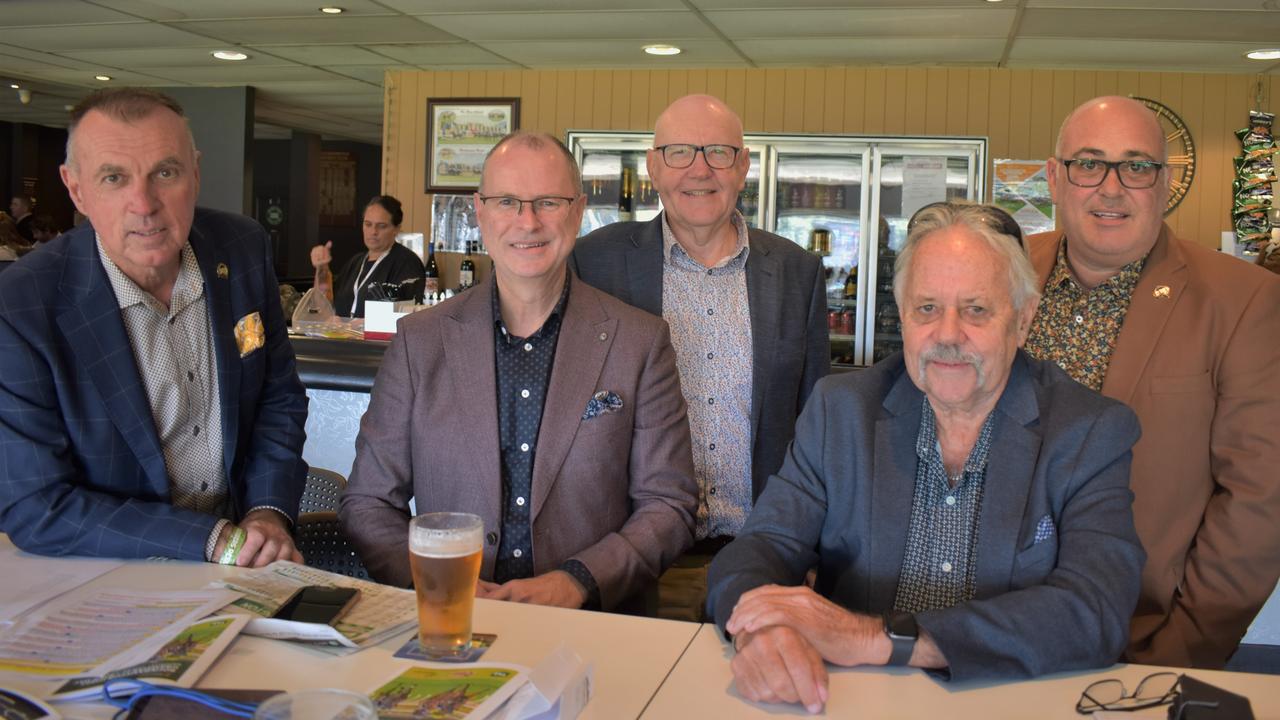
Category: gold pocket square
[249,333]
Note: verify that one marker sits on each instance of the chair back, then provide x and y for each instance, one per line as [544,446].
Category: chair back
[322,491]
[323,545]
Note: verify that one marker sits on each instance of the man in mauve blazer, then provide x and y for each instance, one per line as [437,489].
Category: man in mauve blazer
[1195,357]
[611,490]
[84,473]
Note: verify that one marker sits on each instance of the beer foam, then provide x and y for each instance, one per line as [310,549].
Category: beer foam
[445,543]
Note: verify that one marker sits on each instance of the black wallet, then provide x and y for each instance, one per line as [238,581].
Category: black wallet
[1198,700]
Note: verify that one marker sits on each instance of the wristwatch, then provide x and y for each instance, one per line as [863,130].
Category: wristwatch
[902,631]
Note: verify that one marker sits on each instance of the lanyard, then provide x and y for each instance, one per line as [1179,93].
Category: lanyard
[355,295]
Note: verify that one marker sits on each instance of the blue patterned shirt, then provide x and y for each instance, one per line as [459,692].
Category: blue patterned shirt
[942,540]
[711,333]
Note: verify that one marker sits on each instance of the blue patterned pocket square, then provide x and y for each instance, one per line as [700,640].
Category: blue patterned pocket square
[1045,529]
[601,403]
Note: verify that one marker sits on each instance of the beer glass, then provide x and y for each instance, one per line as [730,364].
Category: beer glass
[444,556]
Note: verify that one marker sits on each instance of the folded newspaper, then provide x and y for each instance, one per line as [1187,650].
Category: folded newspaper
[179,663]
[380,612]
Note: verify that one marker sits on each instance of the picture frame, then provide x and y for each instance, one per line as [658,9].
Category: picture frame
[460,133]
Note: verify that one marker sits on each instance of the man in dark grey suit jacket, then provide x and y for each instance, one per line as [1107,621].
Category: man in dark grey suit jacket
[967,507]
[536,402]
[747,311]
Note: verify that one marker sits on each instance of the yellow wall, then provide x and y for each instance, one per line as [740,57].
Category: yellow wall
[1019,110]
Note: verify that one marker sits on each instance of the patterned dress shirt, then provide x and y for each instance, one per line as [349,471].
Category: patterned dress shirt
[710,321]
[1077,328]
[523,373]
[942,540]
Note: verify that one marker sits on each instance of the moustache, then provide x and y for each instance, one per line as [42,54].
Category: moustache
[952,354]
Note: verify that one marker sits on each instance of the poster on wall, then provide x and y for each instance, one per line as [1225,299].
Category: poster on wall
[460,132]
[1021,188]
[924,181]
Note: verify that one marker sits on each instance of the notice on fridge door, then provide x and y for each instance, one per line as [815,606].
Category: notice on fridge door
[924,181]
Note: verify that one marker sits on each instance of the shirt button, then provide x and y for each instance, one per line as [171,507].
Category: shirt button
[951,499]
[524,393]
[516,553]
[710,311]
[708,271]
[195,431]
[946,567]
[204,486]
[1079,319]
[528,347]
[520,501]
[711,356]
[524,447]
[711,491]
[711,401]
[491,538]
[191,376]
[712,446]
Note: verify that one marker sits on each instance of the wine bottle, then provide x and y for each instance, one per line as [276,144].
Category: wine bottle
[467,270]
[431,277]
[626,196]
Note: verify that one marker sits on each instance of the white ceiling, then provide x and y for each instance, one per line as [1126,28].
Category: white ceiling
[323,73]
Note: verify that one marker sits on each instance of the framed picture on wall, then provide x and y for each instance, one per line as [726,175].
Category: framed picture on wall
[460,132]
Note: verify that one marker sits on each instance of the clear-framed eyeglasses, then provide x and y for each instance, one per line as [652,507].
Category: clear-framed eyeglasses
[548,206]
[682,155]
[1092,172]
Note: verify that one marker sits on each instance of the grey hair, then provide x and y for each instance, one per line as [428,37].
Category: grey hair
[126,104]
[538,141]
[1023,281]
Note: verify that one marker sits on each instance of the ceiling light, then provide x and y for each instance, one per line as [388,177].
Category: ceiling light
[15,86]
[662,49]
[332,10]
[1264,54]
[103,78]
[229,55]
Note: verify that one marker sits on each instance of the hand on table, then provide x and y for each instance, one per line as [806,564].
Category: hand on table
[321,255]
[838,635]
[267,539]
[556,588]
[776,664]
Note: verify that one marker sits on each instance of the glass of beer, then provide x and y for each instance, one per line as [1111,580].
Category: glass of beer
[444,555]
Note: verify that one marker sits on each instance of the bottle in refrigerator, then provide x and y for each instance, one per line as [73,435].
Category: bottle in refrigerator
[431,277]
[466,271]
[851,285]
[626,196]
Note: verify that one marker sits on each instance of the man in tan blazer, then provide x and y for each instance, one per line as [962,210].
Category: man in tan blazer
[1189,339]
[546,407]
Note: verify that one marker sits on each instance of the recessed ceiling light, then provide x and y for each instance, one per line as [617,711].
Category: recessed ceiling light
[662,49]
[15,86]
[1264,54]
[332,10]
[229,55]
[103,78]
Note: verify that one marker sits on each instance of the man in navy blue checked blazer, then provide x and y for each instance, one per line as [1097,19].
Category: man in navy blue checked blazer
[149,403]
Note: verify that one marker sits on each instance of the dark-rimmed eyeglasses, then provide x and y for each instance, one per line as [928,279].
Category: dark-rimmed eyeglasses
[1092,172]
[682,155]
[546,206]
[990,215]
[1111,694]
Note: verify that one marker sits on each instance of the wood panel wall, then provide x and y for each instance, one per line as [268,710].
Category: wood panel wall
[1019,110]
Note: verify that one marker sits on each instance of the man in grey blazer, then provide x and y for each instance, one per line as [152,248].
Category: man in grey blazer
[967,507]
[544,406]
[747,311]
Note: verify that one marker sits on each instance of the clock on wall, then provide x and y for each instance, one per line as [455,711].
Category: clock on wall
[1182,151]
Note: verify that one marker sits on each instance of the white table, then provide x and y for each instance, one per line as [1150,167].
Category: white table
[631,655]
[701,686]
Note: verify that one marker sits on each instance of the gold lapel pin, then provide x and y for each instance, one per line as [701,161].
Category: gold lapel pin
[223,272]
[1161,291]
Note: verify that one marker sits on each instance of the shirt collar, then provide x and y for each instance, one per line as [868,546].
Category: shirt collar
[1123,281]
[927,440]
[671,248]
[556,313]
[186,288]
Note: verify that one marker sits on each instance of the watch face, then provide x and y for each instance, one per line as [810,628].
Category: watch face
[1182,151]
[901,624]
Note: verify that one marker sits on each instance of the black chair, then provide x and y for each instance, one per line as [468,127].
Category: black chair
[322,491]
[320,539]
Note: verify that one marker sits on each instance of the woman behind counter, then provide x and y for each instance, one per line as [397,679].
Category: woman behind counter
[385,262]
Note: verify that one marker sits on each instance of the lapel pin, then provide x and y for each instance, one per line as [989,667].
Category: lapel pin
[1161,291]
[223,272]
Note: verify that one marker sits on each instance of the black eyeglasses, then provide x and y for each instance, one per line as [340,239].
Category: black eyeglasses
[680,155]
[546,206]
[1155,689]
[990,215]
[1092,172]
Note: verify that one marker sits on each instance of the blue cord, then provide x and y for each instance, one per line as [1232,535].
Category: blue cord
[124,693]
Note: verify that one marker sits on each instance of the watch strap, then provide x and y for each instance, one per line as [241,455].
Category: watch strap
[903,645]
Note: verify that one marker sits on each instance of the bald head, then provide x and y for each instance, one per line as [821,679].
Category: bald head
[1109,114]
[693,111]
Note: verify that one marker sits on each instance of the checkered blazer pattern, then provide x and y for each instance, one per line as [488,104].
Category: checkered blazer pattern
[81,467]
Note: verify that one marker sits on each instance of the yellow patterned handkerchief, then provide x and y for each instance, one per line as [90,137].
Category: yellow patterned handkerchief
[249,333]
